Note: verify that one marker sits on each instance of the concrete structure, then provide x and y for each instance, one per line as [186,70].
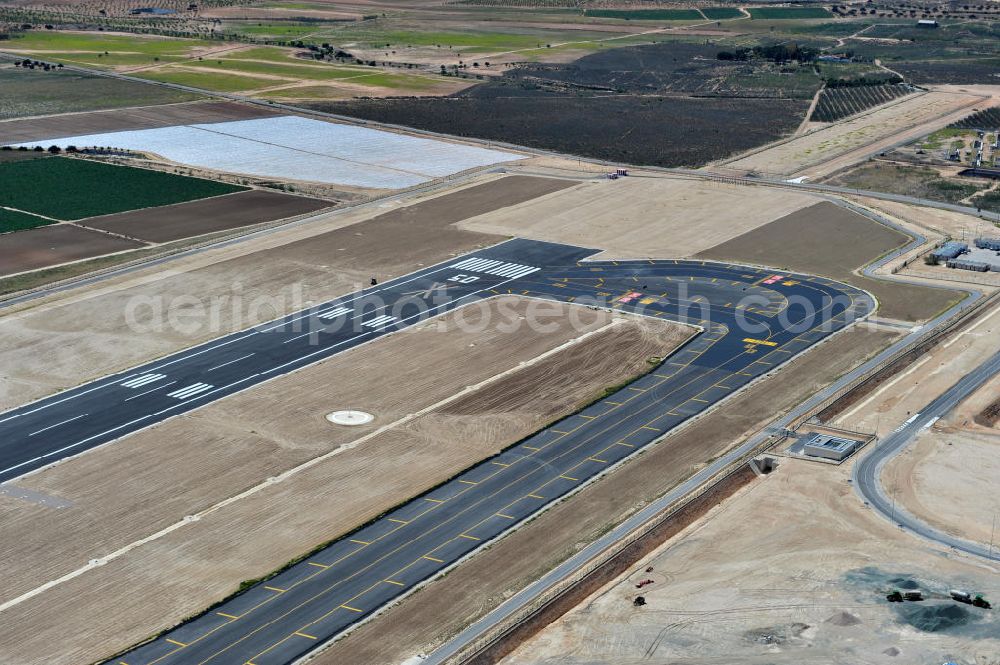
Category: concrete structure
[829,447]
[968,264]
[927,23]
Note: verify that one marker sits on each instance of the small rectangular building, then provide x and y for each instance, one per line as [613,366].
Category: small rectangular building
[988,243]
[829,447]
[927,23]
[968,264]
[950,250]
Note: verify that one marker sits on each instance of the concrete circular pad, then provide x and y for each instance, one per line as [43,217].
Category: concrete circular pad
[350,417]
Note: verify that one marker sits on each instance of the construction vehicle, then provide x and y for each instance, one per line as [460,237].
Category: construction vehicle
[914,596]
[961,596]
[895,596]
[639,601]
[979,601]
[643,583]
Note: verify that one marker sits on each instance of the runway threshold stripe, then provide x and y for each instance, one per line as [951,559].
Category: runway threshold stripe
[140,381]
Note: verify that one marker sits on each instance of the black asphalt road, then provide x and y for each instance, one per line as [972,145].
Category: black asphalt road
[752,321]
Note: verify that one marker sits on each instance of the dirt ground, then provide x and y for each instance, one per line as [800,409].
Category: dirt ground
[643,216]
[428,427]
[793,569]
[119,323]
[830,149]
[430,617]
[58,243]
[918,385]
[194,218]
[120,120]
[826,239]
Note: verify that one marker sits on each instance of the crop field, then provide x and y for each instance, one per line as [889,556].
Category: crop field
[69,189]
[104,50]
[985,119]
[291,147]
[781,13]
[14,220]
[952,71]
[720,13]
[661,131]
[837,103]
[28,92]
[647,14]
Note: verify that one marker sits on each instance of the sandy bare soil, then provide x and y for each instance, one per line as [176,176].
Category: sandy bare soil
[119,120]
[54,244]
[219,213]
[826,239]
[830,149]
[130,490]
[431,616]
[909,391]
[643,216]
[47,346]
[791,570]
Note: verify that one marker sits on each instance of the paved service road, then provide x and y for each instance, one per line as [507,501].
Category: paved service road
[752,321]
[868,471]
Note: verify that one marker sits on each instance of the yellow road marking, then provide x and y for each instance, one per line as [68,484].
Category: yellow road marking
[622,443]
[308,637]
[500,464]
[587,417]
[613,403]
[467,482]
[180,644]
[394,582]
[648,427]
[751,340]
[430,558]
[393,519]
[274,588]
[360,542]
[536,496]
[318,565]
[531,448]
[569,478]
[638,390]
[353,609]
[228,616]
[508,517]
[559,431]
[468,537]
[599,461]
[434,500]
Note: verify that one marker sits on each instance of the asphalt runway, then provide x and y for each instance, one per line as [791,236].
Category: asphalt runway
[752,320]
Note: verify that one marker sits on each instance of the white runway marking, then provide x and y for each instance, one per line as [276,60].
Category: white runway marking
[379,321]
[333,313]
[140,381]
[492,267]
[230,362]
[151,390]
[58,424]
[190,391]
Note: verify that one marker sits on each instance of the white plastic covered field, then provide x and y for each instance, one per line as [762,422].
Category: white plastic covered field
[290,147]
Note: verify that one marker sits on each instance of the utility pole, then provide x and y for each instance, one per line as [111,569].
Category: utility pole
[993,533]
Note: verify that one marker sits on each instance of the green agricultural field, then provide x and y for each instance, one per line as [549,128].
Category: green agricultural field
[316,71]
[69,189]
[64,43]
[648,14]
[209,80]
[789,12]
[719,13]
[467,42]
[12,220]
[279,30]
[27,92]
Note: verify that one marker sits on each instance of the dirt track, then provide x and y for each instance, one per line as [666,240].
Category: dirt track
[828,240]
[120,120]
[428,618]
[58,243]
[129,490]
[194,218]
